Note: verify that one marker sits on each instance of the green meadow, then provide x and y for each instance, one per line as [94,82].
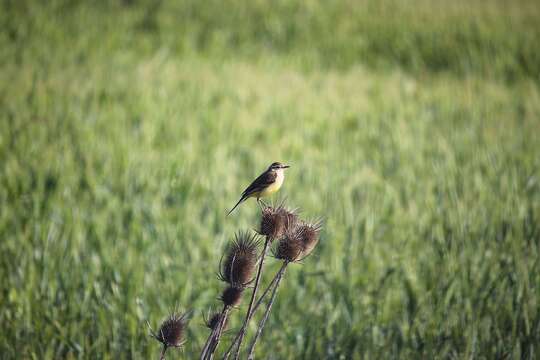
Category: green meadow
[129,128]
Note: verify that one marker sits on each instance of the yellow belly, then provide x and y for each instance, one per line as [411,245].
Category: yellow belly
[274,187]
[270,190]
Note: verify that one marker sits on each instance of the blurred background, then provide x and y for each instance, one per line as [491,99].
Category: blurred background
[129,128]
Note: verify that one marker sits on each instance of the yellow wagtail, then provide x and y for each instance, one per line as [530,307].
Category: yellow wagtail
[266,184]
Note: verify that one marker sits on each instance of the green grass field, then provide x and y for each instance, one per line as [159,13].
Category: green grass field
[127,129]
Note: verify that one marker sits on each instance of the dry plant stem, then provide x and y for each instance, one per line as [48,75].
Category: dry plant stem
[267,312]
[208,346]
[220,326]
[249,312]
[255,307]
[266,291]
[162,356]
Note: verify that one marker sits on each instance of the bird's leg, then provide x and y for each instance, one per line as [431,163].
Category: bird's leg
[261,203]
[265,205]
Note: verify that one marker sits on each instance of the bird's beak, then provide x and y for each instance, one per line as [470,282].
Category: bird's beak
[285,166]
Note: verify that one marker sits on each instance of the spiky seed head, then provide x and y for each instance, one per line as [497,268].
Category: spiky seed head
[290,246]
[172,330]
[272,223]
[231,296]
[213,320]
[240,260]
[291,218]
[276,220]
[309,233]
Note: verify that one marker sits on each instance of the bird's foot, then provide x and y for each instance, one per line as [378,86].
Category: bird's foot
[262,204]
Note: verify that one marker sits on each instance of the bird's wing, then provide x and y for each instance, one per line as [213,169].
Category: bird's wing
[262,182]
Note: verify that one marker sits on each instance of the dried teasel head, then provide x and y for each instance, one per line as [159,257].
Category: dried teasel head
[213,320]
[231,296]
[290,246]
[240,258]
[172,331]
[298,242]
[309,235]
[275,221]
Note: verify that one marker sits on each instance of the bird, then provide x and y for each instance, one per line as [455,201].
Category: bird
[266,184]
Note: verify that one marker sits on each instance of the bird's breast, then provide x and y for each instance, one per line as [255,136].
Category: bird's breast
[275,185]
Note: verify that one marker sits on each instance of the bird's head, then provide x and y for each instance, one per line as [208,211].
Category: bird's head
[277,166]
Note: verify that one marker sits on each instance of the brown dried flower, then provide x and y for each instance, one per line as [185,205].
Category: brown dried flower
[213,320]
[275,221]
[172,330]
[231,296]
[240,260]
[290,246]
[298,242]
[309,234]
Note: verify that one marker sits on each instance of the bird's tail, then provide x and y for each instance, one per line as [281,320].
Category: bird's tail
[238,203]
